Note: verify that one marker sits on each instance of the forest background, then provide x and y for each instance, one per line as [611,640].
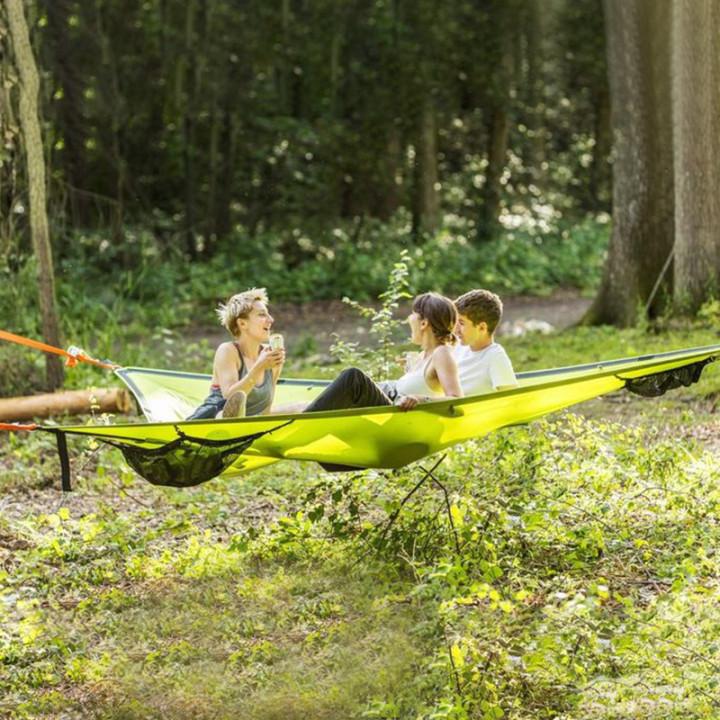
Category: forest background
[191,149]
[196,148]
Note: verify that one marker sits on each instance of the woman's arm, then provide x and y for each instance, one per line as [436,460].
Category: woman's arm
[444,365]
[277,369]
[447,371]
[226,369]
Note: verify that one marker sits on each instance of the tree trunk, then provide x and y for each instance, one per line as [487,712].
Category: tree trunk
[536,21]
[696,119]
[116,107]
[30,124]
[638,34]
[228,143]
[189,103]
[10,133]
[389,199]
[602,131]
[426,208]
[69,106]
[498,127]
[69,402]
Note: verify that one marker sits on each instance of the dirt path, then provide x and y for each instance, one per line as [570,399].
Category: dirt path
[309,328]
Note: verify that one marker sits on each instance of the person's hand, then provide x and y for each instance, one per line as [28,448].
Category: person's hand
[407,402]
[269,359]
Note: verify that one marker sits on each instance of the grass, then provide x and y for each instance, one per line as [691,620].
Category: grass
[586,584]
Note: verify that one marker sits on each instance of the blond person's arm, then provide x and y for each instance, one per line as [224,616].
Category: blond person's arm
[226,369]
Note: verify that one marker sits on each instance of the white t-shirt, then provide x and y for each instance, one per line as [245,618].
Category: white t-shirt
[485,370]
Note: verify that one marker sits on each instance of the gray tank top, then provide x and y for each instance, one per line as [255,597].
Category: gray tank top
[260,397]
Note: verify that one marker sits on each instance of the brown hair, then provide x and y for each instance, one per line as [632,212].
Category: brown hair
[440,313]
[481,306]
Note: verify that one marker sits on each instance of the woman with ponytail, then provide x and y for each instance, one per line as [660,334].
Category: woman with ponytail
[432,376]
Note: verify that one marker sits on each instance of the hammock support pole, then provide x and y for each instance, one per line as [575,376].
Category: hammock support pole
[427,475]
[65,478]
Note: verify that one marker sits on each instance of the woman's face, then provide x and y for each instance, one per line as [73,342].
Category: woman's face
[258,323]
[417,326]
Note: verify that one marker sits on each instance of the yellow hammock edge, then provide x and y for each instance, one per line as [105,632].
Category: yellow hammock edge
[378,437]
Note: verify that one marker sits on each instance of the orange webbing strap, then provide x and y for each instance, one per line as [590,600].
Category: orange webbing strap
[13,426]
[72,356]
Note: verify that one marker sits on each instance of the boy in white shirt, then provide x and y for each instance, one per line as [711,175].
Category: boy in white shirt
[483,364]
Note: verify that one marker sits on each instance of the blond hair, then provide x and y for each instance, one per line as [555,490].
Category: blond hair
[239,306]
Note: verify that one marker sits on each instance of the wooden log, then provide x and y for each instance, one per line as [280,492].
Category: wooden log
[67,402]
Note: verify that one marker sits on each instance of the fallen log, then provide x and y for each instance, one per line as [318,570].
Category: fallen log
[67,402]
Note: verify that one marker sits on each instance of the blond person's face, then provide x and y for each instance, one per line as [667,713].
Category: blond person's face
[258,324]
[470,333]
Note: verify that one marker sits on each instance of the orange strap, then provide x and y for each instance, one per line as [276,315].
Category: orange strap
[12,426]
[72,356]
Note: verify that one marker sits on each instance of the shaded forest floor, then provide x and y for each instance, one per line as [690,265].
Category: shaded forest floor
[574,576]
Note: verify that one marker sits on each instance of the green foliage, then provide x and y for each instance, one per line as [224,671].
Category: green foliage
[377,361]
[563,569]
[106,313]
[569,572]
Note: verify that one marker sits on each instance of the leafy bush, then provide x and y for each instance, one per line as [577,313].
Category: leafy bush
[301,265]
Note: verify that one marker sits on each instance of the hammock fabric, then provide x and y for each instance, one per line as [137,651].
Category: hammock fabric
[169,451]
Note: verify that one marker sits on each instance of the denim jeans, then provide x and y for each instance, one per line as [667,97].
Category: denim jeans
[210,406]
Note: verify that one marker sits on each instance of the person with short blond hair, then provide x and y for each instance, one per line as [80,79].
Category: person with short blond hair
[483,364]
[246,369]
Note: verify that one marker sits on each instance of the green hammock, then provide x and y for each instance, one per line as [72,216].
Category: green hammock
[166,450]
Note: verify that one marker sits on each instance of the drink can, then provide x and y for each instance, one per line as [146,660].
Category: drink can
[276,341]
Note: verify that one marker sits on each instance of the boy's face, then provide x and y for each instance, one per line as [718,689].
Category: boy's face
[470,333]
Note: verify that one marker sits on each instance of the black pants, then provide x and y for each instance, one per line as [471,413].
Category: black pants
[352,388]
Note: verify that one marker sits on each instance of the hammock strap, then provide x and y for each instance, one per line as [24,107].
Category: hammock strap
[72,355]
[15,427]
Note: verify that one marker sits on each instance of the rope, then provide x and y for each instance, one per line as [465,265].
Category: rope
[72,355]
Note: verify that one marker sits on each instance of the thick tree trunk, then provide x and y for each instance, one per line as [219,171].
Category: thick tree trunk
[426,209]
[30,124]
[638,47]
[696,119]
